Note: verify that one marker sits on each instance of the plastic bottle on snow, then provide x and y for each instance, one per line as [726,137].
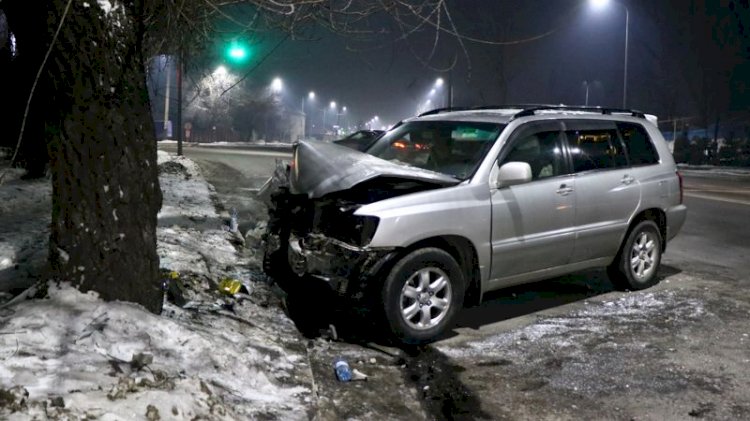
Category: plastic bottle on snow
[343,371]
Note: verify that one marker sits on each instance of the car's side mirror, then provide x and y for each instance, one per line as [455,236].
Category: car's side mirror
[511,173]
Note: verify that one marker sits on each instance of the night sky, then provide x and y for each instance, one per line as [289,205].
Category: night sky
[383,77]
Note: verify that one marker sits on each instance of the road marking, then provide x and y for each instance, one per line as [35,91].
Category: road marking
[718,199]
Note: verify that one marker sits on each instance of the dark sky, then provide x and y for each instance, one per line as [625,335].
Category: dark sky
[389,79]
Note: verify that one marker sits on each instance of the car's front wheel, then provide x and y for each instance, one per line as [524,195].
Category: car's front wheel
[422,295]
[638,260]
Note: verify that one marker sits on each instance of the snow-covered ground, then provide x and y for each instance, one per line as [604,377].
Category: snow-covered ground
[71,355]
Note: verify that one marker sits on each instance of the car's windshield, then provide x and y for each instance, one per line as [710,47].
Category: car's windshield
[454,148]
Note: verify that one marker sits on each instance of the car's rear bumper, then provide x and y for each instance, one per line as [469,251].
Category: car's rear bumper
[676,216]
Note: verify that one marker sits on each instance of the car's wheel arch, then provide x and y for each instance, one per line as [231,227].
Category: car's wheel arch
[465,254]
[656,215]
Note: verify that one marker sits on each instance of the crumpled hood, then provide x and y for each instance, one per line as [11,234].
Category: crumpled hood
[320,168]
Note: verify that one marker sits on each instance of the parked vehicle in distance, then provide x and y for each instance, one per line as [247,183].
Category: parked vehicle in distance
[360,140]
[452,204]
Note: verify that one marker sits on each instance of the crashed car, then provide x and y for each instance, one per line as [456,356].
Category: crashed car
[450,205]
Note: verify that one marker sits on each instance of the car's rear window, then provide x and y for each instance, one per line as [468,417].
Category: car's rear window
[641,150]
[452,148]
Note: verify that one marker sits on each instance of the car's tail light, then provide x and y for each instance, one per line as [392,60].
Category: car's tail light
[679,177]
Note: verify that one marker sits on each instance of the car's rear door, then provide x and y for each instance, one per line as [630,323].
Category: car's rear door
[607,191]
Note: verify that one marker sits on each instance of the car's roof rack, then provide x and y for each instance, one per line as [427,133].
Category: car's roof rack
[601,110]
[531,109]
[443,110]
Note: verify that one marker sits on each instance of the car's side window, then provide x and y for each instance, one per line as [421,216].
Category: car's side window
[640,148]
[595,149]
[541,150]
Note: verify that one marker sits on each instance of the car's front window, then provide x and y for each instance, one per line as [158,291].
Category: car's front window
[454,148]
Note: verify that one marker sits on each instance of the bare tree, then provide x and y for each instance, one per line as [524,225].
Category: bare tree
[89,96]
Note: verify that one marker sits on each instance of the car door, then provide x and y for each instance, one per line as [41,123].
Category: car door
[532,223]
[607,193]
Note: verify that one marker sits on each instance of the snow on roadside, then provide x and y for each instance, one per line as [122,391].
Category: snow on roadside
[79,357]
[598,318]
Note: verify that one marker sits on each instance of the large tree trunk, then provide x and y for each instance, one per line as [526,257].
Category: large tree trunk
[102,148]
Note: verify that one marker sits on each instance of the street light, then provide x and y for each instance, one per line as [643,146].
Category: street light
[277,85]
[439,82]
[220,71]
[310,97]
[338,116]
[600,4]
[332,106]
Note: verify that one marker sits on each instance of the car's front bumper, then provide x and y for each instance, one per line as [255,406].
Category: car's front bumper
[346,268]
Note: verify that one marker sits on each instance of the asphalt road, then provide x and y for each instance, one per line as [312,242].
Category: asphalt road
[717,231]
[566,348]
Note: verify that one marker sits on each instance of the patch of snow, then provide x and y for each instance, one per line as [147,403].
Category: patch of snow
[106,6]
[207,362]
[595,318]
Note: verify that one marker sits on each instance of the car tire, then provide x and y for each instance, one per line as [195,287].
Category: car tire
[637,262]
[422,295]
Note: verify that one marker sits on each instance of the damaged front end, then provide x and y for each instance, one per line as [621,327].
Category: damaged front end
[313,229]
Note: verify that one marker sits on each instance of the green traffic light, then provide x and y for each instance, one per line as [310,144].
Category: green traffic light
[237,53]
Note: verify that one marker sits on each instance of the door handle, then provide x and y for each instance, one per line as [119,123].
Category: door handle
[564,190]
[627,180]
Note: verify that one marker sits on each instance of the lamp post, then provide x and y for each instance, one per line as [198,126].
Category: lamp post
[338,116]
[586,85]
[332,106]
[438,84]
[310,97]
[598,4]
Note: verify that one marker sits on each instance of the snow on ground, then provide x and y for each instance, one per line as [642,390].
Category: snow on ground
[71,355]
[598,318]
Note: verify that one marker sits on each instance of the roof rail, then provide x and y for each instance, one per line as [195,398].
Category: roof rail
[602,110]
[442,110]
[531,109]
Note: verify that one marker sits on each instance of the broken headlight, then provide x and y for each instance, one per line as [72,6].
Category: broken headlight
[352,229]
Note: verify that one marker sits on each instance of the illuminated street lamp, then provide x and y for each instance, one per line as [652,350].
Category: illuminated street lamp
[600,4]
[439,82]
[277,85]
[332,106]
[311,98]
[338,116]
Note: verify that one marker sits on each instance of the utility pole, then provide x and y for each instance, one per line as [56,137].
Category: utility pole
[180,68]
[166,95]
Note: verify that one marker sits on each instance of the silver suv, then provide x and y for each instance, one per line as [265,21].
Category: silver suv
[452,204]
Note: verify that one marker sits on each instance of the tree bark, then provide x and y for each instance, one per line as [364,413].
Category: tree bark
[102,148]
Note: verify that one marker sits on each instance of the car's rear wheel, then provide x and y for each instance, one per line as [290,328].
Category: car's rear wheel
[422,295]
[636,265]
